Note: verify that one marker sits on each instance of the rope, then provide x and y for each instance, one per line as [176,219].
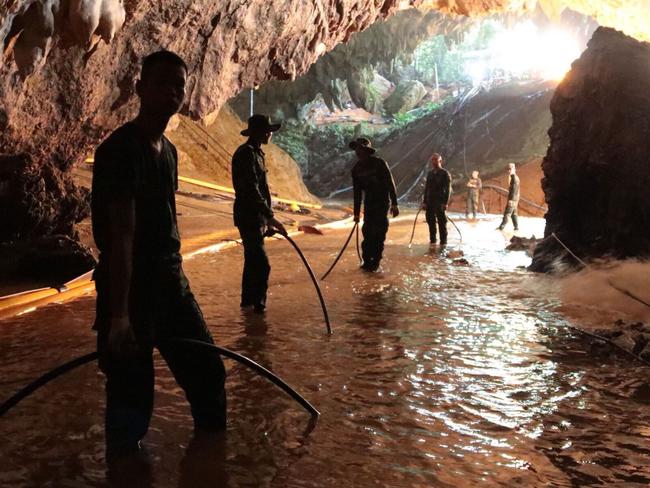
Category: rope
[609,282]
[569,250]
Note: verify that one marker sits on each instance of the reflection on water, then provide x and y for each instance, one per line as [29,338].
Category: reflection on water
[437,374]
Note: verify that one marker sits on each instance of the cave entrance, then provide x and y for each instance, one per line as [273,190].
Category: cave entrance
[478,92]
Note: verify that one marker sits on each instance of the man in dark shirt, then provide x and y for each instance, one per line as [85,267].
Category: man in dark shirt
[436,198]
[143,296]
[513,199]
[252,210]
[372,179]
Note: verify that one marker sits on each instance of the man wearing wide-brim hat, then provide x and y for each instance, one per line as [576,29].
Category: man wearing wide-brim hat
[372,180]
[253,214]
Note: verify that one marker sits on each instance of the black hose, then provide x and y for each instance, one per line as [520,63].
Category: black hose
[358,251]
[313,279]
[261,370]
[45,379]
[347,241]
[80,361]
[457,229]
[415,221]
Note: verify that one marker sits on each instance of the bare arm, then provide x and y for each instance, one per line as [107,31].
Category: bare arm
[121,229]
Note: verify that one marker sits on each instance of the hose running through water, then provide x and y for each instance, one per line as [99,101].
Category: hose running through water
[314,280]
[347,241]
[80,361]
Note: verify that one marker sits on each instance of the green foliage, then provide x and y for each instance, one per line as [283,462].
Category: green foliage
[450,59]
[436,52]
[293,140]
[403,119]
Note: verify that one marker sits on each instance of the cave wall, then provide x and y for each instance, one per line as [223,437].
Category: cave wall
[68,69]
[68,66]
[352,64]
[597,168]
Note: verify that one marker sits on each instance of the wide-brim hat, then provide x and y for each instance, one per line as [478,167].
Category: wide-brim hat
[362,143]
[259,122]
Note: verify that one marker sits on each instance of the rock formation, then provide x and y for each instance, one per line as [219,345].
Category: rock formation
[368,89]
[407,95]
[68,68]
[352,65]
[596,170]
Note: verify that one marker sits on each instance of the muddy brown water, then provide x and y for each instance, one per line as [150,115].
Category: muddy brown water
[437,374]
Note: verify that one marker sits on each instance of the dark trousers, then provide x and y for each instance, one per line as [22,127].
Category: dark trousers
[255,276]
[437,217]
[472,204]
[130,380]
[510,211]
[374,228]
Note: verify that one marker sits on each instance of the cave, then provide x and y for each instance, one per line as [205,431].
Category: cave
[68,71]
[455,362]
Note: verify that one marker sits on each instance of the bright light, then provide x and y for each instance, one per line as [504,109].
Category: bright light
[527,50]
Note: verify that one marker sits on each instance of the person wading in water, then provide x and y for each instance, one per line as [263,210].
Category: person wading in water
[474,186]
[143,296]
[513,199]
[436,197]
[372,180]
[252,210]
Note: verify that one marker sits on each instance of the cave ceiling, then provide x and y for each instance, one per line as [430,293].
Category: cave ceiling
[629,16]
[67,67]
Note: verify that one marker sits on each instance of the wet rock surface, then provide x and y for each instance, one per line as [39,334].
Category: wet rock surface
[633,337]
[518,243]
[38,198]
[78,83]
[51,259]
[596,176]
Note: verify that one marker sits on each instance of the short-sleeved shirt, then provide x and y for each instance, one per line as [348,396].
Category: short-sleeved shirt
[125,166]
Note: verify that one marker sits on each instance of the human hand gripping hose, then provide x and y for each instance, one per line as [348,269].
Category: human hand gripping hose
[207,347]
[347,241]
